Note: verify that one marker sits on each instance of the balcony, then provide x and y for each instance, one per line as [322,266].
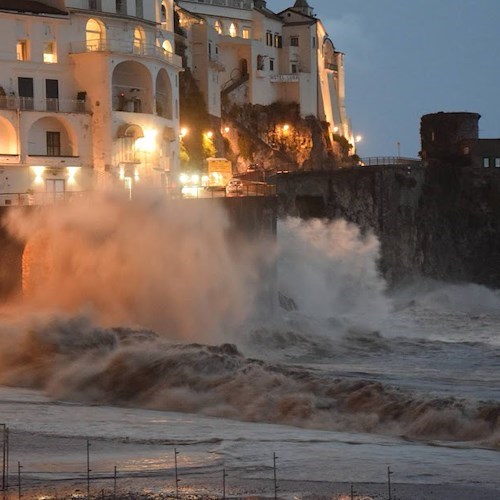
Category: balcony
[49,105]
[291,78]
[234,4]
[127,48]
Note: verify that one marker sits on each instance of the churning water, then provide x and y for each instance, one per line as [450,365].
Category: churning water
[118,293]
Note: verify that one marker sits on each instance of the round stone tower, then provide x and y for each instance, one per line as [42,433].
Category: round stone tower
[443,134]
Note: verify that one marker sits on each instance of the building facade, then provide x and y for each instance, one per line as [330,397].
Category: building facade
[243,50]
[88,96]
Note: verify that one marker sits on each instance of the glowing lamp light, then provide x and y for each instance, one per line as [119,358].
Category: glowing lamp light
[286,128]
[195,179]
[147,143]
[184,132]
[209,134]
[122,173]
[335,129]
[38,171]
[226,129]
[358,138]
[184,178]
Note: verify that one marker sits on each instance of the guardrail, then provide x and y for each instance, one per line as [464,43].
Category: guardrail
[41,198]
[390,160]
[235,4]
[126,47]
[49,105]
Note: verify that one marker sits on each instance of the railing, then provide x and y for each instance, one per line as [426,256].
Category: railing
[333,67]
[292,78]
[390,160]
[50,105]
[235,4]
[126,47]
[42,198]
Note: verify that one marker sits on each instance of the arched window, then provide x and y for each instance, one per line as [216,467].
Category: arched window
[139,40]
[94,35]
[163,14]
[218,27]
[233,30]
[167,46]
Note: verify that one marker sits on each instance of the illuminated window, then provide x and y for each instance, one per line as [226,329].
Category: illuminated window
[278,41]
[233,30]
[497,162]
[294,41]
[167,46]
[49,52]
[245,33]
[22,50]
[486,162]
[139,38]
[269,39]
[218,27]
[94,34]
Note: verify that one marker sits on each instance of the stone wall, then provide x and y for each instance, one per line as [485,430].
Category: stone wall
[442,221]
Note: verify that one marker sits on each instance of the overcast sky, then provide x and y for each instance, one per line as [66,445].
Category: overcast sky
[406,58]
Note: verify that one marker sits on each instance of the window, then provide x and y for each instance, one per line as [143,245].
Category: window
[269,39]
[139,9]
[497,162]
[486,162]
[53,144]
[25,90]
[294,68]
[121,7]
[138,40]
[233,30]
[278,42]
[314,42]
[294,41]
[271,64]
[260,62]
[218,27]
[22,50]
[49,52]
[245,33]
[94,35]
[52,95]
[163,14]
[94,4]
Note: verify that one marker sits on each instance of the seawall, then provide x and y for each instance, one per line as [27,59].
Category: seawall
[440,221]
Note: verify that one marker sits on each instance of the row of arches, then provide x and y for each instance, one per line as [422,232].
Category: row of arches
[232,29]
[95,37]
[133,90]
[47,136]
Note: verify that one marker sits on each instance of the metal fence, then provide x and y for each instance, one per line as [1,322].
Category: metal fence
[390,160]
[51,105]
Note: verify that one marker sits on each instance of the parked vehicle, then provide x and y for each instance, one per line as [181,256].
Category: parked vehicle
[234,186]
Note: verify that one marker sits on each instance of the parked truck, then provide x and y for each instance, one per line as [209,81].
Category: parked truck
[219,173]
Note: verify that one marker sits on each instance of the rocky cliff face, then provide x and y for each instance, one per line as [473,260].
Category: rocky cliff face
[441,221]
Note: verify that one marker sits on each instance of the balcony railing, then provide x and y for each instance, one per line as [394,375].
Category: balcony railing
[50,105]
[126,47]
[235,4]
[292,78]
[333,67]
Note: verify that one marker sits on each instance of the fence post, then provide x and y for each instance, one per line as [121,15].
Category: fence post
[275,477]
[19,479]
[389,472]
[224,475]
[88,469]
[114,484]
[176,475]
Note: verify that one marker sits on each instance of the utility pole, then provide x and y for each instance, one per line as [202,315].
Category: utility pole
[176,475]
[399,149]
[88,469]
[389,472]
[275,478]
[114,484]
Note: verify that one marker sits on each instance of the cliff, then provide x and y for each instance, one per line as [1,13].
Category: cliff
[441,221]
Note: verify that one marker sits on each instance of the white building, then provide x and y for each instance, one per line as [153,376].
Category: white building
[254,55]
[88,94]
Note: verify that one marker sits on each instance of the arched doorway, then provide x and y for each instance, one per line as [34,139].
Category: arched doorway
[50,136]
[163,95]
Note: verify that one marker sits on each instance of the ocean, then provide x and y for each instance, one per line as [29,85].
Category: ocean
[346,379]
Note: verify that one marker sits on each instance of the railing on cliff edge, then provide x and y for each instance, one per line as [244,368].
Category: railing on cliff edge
[390,160]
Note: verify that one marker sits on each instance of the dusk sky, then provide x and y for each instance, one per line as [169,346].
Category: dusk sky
[406,58]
